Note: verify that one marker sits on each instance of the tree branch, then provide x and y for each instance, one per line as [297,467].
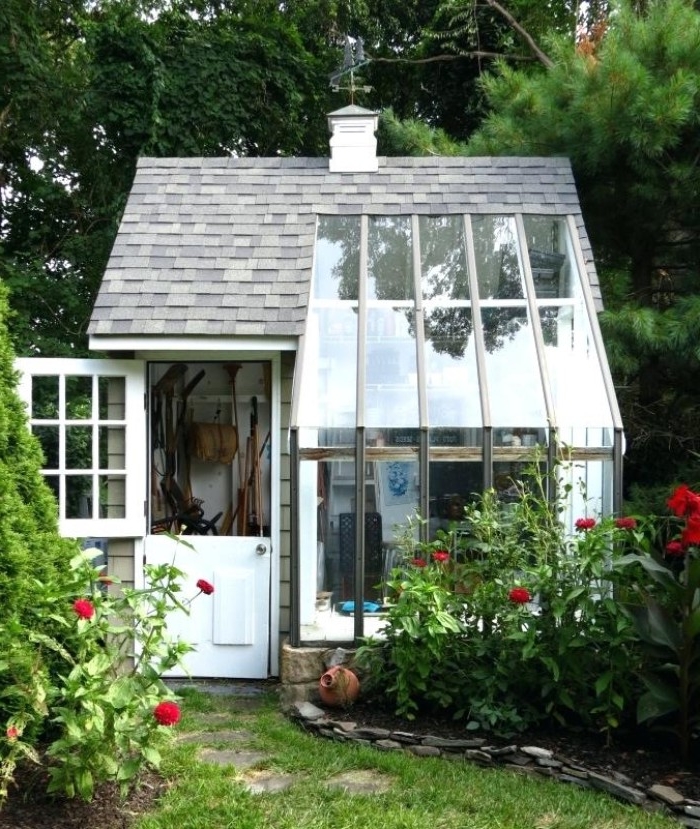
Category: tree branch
[436,58]
[545,60]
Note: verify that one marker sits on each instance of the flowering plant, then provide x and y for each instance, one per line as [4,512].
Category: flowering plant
[87,686]
[490,619]
[665,610]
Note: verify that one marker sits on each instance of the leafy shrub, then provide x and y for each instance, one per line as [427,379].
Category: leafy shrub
[99,712]
[505,621]
[664,605]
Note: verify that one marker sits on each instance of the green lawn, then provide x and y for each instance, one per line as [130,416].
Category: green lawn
[421,793]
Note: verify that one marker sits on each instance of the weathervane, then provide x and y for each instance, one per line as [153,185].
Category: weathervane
[353,59]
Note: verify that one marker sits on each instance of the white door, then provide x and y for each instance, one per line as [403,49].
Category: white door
[91,419]
[230,629]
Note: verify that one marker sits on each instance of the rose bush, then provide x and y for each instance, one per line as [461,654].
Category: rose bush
[82,688]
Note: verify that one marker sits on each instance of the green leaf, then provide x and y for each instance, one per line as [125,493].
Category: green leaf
[603,682]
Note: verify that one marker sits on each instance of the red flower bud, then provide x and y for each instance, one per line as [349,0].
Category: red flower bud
[84,608]
[206,587]
[675,549]
[519,595]
[626,523]
[419,562]
[167,713]
[441,555]
[583,524]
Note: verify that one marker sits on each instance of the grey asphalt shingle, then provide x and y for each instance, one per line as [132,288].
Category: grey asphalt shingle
[224,246]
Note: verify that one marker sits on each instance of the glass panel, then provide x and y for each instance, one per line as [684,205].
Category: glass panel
[507,476]
[78,447]
[390,260]
[334,437]
[549,250]
[498,269]
[337,257]
[515,387]
[112,496]
[516,436]
[392,378]
[48,438]
[450,360]
[112,447]
[44,397]
[453,484]
[112,398]
[78,397]
[578,391]
[328,388]
[456,437]
[397,492]
[590,493]
[443,258]
[79,496]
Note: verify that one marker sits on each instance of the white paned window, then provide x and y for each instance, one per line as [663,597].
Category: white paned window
[89,418]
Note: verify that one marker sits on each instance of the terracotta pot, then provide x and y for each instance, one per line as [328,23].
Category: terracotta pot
[338,686]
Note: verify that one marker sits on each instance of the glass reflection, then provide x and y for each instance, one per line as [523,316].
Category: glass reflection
[453,485]
[498,269]
[575,374]
[337,257]
[391,373]
[328,379]
[553,271]
[450,360]
[443,258]
[390,265]
[45,397]
[515,387]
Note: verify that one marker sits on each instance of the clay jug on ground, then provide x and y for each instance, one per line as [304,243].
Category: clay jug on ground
[338,686]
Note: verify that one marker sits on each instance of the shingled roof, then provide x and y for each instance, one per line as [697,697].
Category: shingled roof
[224,246]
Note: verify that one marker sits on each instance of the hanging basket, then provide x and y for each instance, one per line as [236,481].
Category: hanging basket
[213,442]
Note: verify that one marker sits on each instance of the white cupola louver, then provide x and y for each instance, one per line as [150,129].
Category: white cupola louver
[353,143]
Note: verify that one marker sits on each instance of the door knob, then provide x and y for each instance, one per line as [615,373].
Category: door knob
[261,549]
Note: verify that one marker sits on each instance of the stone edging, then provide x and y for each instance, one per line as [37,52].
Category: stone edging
[531,760]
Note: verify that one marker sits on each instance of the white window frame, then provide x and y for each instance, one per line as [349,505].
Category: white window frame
[133,524]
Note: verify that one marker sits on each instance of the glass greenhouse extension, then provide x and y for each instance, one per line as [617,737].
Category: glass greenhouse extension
[442,355]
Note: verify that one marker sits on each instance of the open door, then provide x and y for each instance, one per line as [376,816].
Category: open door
[209,465]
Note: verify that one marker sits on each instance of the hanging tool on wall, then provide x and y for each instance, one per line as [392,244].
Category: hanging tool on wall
[240,511]
[254,481]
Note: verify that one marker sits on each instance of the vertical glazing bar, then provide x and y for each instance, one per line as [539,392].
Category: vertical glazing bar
[419,327]
[294,528]
[552,455]
[359,563]
[477,324]
[362,322]
[424,479]
[595,328]
[487,454]
[535,319]
[359,531]
[618,449]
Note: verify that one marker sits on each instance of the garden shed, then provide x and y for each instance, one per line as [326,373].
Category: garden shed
[302,352]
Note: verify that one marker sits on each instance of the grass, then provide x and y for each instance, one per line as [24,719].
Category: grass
[421,793]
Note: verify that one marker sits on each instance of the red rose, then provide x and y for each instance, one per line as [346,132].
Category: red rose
[675,549]
[583,524]
[167,713]
[626,523]
[684,501]
[84,608]
[519,595]
[441,555]
[12,733]
[419,562]
[691,533]
[205,587]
